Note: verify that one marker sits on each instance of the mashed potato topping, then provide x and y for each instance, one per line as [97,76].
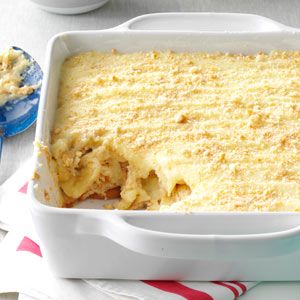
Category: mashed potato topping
[12,65]
[180,131]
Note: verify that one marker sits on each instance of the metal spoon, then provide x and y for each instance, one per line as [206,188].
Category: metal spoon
[19,114]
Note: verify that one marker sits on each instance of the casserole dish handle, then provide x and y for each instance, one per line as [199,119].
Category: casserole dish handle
[190,246]
[203,22]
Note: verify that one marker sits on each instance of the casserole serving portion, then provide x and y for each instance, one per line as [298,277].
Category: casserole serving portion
[180,131]
[12,65]
[208,132]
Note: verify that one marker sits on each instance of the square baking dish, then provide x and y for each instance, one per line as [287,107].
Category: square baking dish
[85,242]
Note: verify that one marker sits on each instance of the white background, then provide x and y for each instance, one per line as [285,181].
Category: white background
[24,25]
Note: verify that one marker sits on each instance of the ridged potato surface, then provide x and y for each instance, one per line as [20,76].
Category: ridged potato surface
[180,131]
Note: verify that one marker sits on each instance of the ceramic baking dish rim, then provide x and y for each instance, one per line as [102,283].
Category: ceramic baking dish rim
[39,207]
[126,27]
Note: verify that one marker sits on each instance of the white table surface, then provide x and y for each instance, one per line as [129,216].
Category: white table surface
[24,25]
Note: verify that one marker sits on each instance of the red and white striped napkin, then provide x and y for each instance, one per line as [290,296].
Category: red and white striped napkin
[24,270]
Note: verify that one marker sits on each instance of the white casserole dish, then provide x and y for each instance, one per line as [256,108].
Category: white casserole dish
[96,243]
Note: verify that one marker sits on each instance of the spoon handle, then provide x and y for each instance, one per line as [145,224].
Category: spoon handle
[1,142]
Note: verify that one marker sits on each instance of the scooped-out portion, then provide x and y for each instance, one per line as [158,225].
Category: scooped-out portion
[180,131]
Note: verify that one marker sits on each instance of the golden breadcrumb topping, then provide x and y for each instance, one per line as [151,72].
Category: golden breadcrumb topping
[180,131]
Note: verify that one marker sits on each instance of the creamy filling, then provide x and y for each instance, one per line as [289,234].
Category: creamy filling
[180,131]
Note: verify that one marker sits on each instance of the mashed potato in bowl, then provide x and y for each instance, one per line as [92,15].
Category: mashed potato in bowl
[12,64]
